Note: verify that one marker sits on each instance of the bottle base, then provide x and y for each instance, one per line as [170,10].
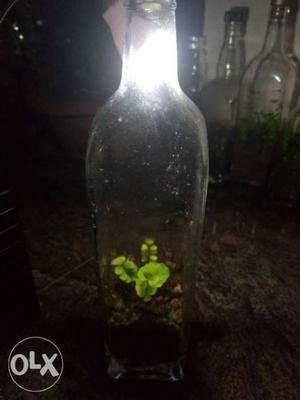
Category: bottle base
[158,371]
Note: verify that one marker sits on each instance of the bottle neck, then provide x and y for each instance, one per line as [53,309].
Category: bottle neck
[232,56]
[290,31]
[150,51]
[275,39]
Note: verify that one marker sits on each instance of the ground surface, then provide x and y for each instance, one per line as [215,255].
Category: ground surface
[246,341]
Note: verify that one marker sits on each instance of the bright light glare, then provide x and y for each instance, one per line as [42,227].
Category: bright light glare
[155,61]
[278,79]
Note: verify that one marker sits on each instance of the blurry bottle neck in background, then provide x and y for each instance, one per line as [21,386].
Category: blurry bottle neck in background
[196,65]
[192,60]
[275,35]
[232,56]
[150,52]
[291,12]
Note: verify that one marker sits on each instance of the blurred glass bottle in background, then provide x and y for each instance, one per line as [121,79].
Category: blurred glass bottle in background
[196,66]
[192,61]
[217,99]
[202,64]
[284,182]
[266,97]
[291,12]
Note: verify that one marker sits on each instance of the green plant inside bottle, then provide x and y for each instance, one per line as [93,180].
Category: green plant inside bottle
[274,140]
[269,129]
[149,277]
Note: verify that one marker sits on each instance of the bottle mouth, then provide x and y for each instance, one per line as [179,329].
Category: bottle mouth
[278,9]
[293,7]
[279,3]
[150,5]
[233,17]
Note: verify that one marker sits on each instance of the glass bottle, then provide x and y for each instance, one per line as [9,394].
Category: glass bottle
[201,65]
[191,46]
[265,100]
[217,99]
[191,83]
[147,167]
[291,12]
[284,183]
[195,73]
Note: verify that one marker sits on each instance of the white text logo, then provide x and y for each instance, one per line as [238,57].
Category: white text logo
[35,364]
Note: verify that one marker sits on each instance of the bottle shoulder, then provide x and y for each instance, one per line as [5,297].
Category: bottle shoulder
[220,87]
[135,124]
[125,107]
[275,61]
[219,92]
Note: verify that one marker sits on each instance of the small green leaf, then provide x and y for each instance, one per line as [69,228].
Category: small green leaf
[144,290]
[149,278]
[141,288]
[118,261]
[153,249]
[151,291]
[144,247]
[125,269]
[156,274]
[149,242]
[118,270]
[148,250]
[144,253]
[129,271]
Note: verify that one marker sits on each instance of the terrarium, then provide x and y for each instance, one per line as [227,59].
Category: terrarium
[284,182]
[147,172]
[266,97]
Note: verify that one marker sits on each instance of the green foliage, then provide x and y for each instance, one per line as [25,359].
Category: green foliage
[148,278]
[151,277]
[291,147]
[148,251]
[154,273]
[263,126]
[144,290]
[125,269]
[269,129]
